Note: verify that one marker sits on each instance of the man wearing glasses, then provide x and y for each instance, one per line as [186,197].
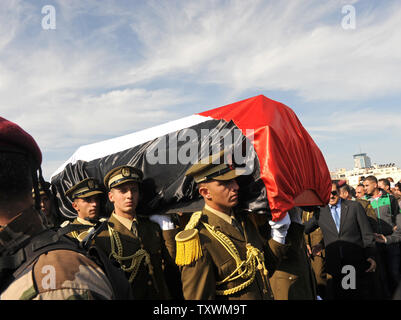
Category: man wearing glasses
[350,247]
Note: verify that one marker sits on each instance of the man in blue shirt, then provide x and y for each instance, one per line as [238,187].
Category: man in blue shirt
[350,247]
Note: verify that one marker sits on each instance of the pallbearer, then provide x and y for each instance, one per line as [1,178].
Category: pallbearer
[86,202]
[138,244]
[220,253]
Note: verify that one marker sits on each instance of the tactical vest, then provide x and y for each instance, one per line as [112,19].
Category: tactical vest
[24,254]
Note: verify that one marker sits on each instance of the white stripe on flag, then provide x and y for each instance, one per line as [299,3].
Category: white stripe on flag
[107,147]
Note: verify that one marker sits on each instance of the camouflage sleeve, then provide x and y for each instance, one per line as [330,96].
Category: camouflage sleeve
[61,275]
[68,275]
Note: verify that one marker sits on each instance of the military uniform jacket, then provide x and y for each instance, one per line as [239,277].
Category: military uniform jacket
[314,238]
[76,233]
[294,278]
[199,279]
[56,275]
[154,241]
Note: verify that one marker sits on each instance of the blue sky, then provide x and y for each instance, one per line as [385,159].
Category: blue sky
[114,67]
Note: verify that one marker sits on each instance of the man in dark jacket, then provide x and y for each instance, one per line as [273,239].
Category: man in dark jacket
[349,245]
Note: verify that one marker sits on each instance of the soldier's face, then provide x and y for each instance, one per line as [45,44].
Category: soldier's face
[125,197]
[45,205]
[220,195]
[87,207]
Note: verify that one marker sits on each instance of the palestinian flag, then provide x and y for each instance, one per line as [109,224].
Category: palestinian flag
[285,166]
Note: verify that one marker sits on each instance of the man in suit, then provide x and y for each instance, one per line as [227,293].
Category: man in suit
[143,249]
[349,245]
[346,194]
[220,253]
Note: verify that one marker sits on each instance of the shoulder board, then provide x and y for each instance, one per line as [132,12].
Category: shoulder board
[188,246]
[194,220]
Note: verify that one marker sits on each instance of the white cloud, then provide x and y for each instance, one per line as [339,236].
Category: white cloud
[98,74]
[274,46]
[363,122]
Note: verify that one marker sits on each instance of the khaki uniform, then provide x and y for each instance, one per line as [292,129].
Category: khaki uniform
[146,258]
[317,262]
[294,278]
[50,220]
[84,189]
[204,278]
[80,235]
[75,276]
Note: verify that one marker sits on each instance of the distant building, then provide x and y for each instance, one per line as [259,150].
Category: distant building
[361,161]
[363,167]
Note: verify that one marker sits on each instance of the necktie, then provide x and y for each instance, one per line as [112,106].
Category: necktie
[336,217]
[236,224]
[134,228]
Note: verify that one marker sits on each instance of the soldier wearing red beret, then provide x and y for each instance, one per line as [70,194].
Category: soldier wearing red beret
[57,274]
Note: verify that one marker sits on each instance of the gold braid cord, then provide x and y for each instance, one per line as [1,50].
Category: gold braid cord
[136,258]
[74,234]
[245,269]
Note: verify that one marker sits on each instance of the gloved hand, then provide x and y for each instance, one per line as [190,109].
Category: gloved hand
[163,220]
[279,229]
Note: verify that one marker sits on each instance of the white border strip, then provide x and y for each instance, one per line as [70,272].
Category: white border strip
[107,147]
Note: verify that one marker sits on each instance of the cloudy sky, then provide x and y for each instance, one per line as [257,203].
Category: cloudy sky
[110,68]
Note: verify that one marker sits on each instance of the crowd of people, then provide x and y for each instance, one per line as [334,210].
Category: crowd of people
[366,236]
[348,249]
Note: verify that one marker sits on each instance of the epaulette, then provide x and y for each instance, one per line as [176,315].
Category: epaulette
[188,243]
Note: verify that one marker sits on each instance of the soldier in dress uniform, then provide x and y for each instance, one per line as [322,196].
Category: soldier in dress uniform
[316,253]
[220,254]
[294,278]
[47,206]
[58,274]
[86,202]
[144,249]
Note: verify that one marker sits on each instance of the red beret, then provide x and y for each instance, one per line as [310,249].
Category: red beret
[15,139]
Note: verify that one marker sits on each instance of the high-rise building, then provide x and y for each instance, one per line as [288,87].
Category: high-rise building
[361,161]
